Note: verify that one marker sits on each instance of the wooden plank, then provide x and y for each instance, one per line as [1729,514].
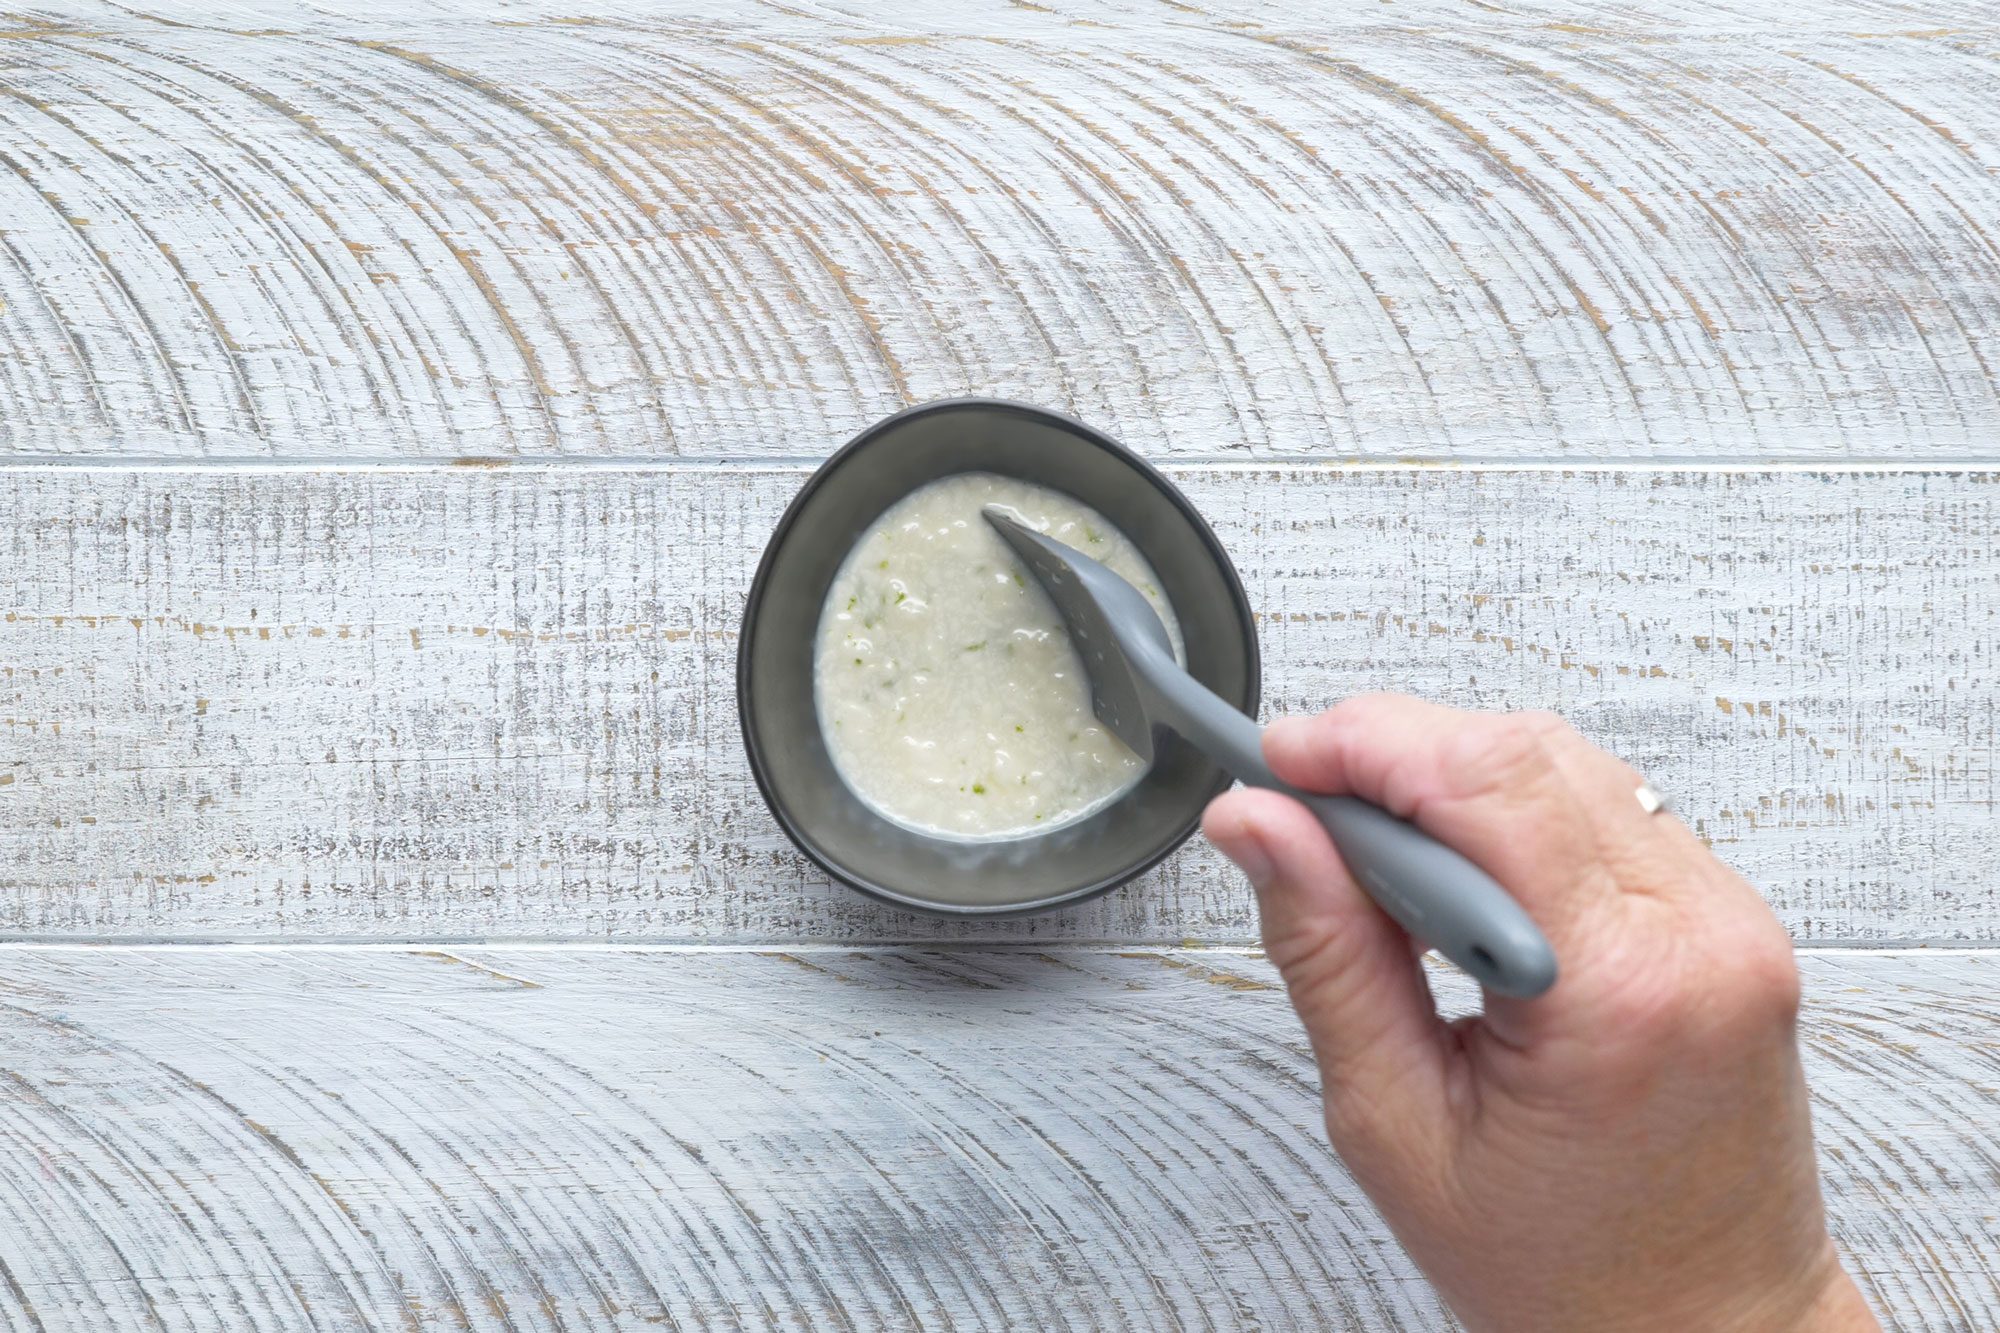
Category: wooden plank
[1431,231]
[526,1140]
[499,702]
[1001,18]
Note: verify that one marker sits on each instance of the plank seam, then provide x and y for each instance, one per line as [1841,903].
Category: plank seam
[1210,463]
[17,944]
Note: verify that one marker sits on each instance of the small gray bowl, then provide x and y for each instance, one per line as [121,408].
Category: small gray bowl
[774,663]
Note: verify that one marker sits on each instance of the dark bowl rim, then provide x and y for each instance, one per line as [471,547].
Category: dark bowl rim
[753,604]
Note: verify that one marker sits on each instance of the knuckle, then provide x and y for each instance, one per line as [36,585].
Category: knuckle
[1558,736]
[1507,750]
[1767,973]
[1742,993]
[1301,951]
[1544,723]
[1359,711]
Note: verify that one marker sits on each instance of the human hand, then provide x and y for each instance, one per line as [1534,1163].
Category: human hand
[1631,1150]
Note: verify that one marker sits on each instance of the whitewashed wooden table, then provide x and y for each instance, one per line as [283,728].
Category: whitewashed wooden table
[393,406]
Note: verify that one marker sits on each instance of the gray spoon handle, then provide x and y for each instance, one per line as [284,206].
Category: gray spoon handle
[1434,893]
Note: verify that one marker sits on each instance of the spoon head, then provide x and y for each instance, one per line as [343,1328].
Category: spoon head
[1108,620]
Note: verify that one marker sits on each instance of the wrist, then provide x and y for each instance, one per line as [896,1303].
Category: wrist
[1823,1301]
[1836,1307]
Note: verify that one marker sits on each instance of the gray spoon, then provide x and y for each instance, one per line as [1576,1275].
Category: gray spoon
[1433,892]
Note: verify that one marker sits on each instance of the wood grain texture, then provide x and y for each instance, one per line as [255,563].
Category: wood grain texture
[1434,231]
[500,702]
[536,1140]
[710,241]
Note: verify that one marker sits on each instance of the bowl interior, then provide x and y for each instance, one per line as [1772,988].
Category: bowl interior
[775,670]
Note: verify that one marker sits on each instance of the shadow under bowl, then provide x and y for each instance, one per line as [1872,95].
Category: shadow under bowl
[774,667]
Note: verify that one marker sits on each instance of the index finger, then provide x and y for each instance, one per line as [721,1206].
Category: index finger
[1487,784]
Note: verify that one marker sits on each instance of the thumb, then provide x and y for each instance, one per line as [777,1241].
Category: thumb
[1354,979]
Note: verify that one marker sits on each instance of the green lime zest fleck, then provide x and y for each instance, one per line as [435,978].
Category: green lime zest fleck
[975,647]
[857,661]
[901,597]
[882,564]
[978,789]
[1019,727]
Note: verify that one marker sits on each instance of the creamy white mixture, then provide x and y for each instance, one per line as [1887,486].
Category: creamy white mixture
[949,694]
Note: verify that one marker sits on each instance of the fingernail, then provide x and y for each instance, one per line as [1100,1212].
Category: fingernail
[1242,845]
